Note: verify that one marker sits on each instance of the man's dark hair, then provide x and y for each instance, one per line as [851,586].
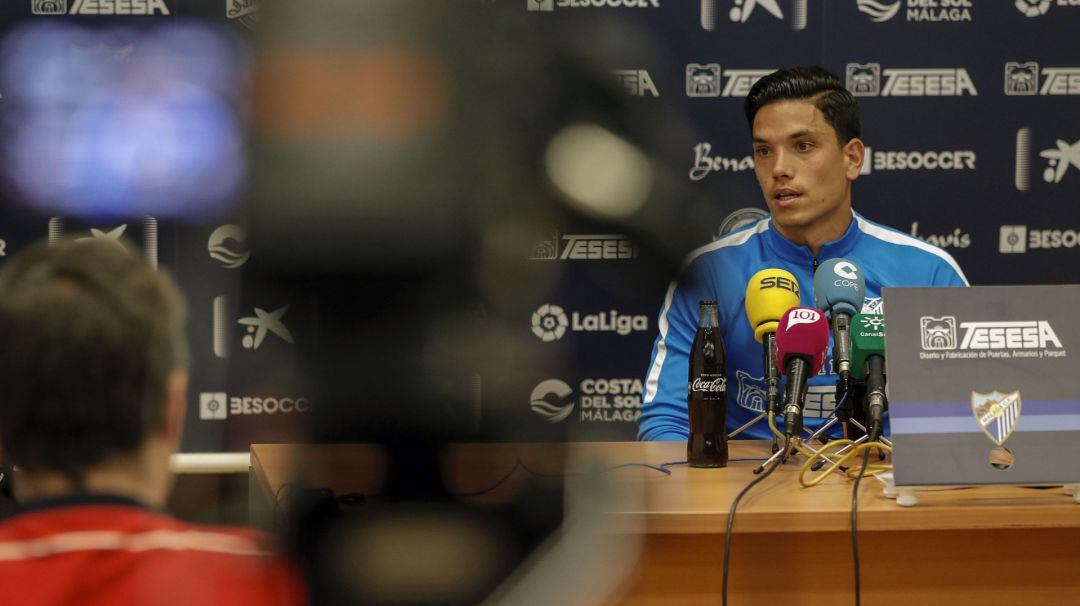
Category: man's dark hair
[89,336]
[816,84]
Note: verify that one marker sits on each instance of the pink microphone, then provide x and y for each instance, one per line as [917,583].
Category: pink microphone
[802,340]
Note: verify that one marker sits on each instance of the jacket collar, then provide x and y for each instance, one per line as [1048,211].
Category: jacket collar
[799,254]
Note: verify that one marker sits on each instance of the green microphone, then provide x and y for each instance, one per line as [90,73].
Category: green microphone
[868,363]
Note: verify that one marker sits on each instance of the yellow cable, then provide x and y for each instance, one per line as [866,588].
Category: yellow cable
[851,453]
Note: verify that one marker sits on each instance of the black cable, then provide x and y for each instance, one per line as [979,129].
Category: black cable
[731,515]
[855,522]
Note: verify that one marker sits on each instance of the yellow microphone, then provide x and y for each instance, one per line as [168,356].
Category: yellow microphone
[770,293]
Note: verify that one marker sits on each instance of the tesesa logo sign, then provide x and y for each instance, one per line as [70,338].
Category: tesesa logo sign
[580,247]
[864,80]
[939,334]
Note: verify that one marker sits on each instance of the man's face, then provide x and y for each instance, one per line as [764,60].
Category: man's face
[804,173]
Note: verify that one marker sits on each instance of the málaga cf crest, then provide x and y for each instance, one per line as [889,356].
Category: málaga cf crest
[997,413]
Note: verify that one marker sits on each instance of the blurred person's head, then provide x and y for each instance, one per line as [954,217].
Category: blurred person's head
[93,364]
[807,150]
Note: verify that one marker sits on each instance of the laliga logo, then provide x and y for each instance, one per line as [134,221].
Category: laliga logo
[803,316]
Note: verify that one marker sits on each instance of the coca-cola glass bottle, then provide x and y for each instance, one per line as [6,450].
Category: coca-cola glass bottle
[706,396]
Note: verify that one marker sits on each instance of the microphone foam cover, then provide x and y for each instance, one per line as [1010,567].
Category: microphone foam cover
[839,286]
[867,339]
[769,294]
[803,332]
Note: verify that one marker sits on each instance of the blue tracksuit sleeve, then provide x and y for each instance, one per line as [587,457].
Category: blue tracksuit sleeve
[663,410]
[948,273]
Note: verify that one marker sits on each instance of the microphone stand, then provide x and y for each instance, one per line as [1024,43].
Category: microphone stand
[772,388]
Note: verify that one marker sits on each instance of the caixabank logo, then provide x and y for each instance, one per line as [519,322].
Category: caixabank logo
[218,405]
[873,80]
[146,231]
[753,12]
[1026,78]
[1061,158]
[995,339]
[598,400]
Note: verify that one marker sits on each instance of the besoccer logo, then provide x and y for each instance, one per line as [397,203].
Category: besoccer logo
[938,333]
[549,323]
[864,79]
[213,405]
[1033,8]
[541,5]
[1013,239]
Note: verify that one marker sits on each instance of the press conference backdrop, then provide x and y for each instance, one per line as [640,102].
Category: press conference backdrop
[971,119]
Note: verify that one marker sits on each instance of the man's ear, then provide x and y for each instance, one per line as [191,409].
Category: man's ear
[175,406]
[854,156]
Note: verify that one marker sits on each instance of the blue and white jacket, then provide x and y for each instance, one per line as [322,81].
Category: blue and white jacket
[721,271]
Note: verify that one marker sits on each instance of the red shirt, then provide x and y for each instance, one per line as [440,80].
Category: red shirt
[107,551]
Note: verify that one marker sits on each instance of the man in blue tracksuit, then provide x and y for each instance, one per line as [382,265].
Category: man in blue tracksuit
[807,152]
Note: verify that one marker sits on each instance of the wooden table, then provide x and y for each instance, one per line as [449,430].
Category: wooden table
[792,545]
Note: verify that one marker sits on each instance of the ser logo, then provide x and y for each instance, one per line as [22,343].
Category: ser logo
[1022,78]
[865,80]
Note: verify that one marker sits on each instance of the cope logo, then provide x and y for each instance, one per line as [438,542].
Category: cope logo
[740,11]
[1023,78]
[704,80]
[218,405]
[636,82]
[705,163]
[582,247]
[939,334]
[1038,8]
[846,275]
[1060,158]
[550,322]
[865,80]
[100,7]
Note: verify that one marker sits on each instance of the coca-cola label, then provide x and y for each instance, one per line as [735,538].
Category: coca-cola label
[708,385]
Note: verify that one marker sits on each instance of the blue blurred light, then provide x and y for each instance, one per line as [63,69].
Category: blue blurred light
[123,122]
